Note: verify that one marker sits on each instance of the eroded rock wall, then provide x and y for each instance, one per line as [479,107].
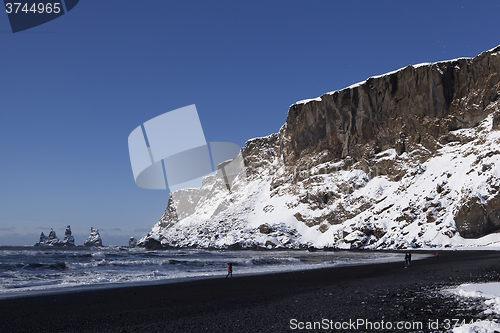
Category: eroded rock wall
[413,105]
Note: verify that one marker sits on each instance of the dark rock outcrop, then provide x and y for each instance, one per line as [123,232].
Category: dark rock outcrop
[94,239]
[52,240]
[151,244]
[477,218]
[69,240]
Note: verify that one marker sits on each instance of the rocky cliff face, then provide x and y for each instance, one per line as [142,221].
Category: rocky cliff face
[406,159]
[416,105]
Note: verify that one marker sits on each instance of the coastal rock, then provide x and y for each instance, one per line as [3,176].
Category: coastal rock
[151,244]
[50,240]
[94,239]
[43,238]
[477,218]
[132,242]
[408,159]
[69,240]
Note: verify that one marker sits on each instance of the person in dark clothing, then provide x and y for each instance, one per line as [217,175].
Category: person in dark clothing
[409,259]
[406,260]
[229,270]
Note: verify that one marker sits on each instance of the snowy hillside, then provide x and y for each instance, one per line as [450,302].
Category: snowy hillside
[426,175]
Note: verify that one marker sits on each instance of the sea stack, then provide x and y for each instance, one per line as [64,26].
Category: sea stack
[69,240]
[94,239]
[50,240]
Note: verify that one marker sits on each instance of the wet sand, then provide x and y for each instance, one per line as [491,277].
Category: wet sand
[334,298]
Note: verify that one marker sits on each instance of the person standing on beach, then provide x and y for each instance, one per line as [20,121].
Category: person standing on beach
[229,270]
[409,259]
[406,260]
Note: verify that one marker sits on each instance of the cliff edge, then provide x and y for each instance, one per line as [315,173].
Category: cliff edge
[406,159]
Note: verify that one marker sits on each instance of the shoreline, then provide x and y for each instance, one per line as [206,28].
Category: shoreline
[264,303]
[61,289]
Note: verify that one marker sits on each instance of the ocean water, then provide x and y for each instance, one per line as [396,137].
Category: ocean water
[28,270]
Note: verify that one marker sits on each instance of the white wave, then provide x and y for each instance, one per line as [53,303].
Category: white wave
[56,269]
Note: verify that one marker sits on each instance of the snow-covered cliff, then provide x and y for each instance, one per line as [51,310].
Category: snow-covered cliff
[406,159]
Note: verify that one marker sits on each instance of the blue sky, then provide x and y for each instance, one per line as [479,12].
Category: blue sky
[73,89]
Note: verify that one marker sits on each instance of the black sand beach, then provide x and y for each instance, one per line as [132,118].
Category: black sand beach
[337,298]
